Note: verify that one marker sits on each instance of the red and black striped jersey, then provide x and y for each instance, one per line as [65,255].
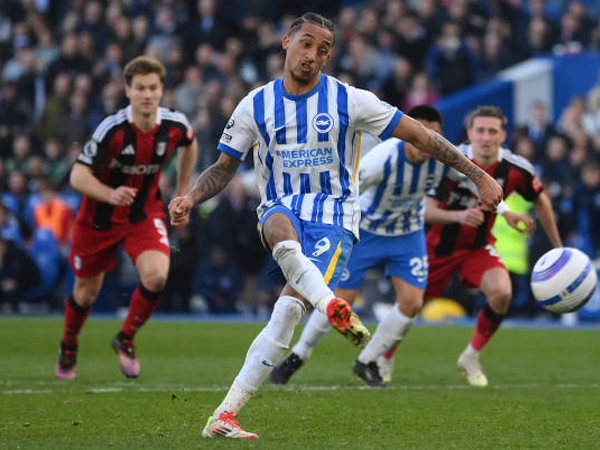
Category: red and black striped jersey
[119,153]
[512,172]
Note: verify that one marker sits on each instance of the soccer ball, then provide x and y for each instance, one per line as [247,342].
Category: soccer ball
[563,280]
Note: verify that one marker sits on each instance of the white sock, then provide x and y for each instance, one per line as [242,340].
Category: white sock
[316,328]
[302,274]
[264,352]
[389,332]
[470,351]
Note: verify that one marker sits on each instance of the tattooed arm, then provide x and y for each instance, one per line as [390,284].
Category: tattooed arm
[440,148]
[208,184]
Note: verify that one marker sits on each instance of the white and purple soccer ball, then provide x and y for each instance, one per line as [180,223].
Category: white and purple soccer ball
[563,280]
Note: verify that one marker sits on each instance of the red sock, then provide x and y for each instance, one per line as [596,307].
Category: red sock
[75,317]
[143,304]
[487,323]
[390,353]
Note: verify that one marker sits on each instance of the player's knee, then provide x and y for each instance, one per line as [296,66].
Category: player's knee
[411,307]
[285,248]
[85,297]
[500,299]
[155,280]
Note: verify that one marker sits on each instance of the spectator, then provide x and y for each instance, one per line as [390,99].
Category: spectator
[76,126]
[495,57]
[587,208]
[21,154]
[15,116]
[52,213]
[539,129]
[538,39]
[420,93]
[18,272]
[123,37]
[46,50]
[69,62]
[449,61]
[218,282]
[187,93]
[396,86]
[413,40]
[55,110]
[207,27]
[9,226]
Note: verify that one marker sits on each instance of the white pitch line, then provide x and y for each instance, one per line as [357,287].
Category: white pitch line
[297,388]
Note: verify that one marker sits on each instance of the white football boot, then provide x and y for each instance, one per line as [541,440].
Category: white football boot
[469,365]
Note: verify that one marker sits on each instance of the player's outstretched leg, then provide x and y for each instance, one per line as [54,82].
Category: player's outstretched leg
[266,349]
[305,278]
[124,348]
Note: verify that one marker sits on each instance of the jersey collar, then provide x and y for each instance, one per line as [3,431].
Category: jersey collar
[130,115]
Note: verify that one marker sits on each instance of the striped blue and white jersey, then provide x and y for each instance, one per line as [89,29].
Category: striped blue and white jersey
[393,189]
[307,147]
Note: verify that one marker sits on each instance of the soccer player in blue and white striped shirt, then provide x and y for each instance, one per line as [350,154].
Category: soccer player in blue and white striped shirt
[304,131]
[394,178]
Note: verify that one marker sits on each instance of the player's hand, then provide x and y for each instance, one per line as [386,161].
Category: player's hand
[523,223]
[122,196]
[179,210]
[490,192]
[472,217]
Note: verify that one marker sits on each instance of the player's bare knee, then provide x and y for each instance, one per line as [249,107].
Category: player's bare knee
[85,297]
[154,280]
[410,307]
[500,300]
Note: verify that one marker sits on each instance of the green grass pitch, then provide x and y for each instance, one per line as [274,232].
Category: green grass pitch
[544,392]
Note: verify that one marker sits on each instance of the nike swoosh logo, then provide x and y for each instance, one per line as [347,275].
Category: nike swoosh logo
[264,362]
[300,277]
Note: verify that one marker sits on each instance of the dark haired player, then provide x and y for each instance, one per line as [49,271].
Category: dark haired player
[304,131]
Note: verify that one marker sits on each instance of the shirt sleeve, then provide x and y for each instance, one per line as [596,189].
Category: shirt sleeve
[188,135]
[95,151]
[531,188]
[240,133]
[371,114]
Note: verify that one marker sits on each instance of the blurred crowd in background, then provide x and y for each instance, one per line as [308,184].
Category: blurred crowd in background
[61,62]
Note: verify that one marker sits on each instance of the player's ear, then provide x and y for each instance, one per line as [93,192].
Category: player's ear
[127,88]
[285,43]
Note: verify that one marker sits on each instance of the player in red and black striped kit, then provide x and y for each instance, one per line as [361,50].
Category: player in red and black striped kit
[117,172]
[460,238]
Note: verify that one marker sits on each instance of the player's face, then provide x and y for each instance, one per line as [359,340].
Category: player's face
[144,93]
[308,50]
[486,135]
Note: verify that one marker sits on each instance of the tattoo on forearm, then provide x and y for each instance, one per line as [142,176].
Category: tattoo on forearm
[443,150]
[213,180]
